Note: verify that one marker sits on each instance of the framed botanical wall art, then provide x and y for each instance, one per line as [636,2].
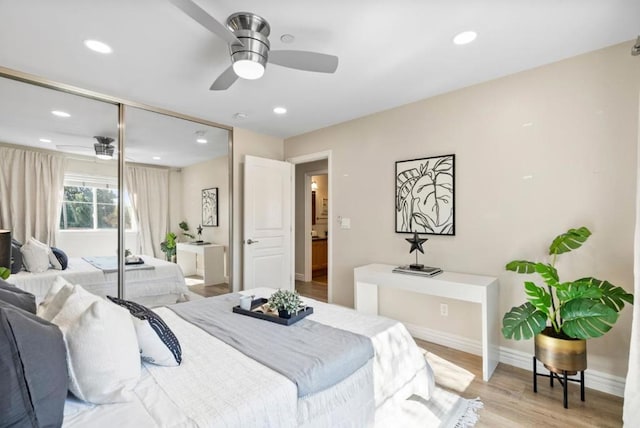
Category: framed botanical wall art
[210,207]
[425,195]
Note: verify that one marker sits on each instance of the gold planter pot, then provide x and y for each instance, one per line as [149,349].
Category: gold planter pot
[560,354]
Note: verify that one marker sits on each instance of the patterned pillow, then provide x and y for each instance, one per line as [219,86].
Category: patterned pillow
[58,259]
[158,344]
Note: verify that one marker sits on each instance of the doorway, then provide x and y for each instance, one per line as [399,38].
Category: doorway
[312,225]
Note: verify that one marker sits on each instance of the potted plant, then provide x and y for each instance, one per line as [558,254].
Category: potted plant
[185,230]
[286,302]
[565,314]
[168,246]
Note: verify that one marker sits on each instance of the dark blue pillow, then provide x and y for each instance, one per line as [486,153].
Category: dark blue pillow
[63,260]
[33,369]
[16,258]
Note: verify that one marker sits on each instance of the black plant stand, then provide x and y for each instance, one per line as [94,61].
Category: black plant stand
[564,381]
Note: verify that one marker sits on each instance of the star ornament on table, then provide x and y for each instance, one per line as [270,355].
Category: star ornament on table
[416,243]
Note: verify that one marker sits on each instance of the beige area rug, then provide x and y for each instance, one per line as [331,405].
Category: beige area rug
[445,409]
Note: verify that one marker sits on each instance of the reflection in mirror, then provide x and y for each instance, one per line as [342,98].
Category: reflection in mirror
[175,171]
[55,191]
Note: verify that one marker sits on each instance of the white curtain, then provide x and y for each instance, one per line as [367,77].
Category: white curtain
[148,189]
[631,414]
[31,186]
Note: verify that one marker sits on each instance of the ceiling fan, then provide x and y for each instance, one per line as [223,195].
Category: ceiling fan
[247,35]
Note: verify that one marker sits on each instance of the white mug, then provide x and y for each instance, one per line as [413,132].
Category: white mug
[245,302]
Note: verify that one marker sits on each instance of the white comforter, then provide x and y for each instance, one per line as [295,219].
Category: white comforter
[219,386]
[162,285]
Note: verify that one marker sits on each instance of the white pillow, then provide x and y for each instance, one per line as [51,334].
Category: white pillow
[35,256]
[45,310]
[72,306]
[102,353]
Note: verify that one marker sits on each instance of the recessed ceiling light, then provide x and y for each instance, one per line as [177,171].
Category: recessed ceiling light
[98,46]
[60,113]
[45,140]
[465,37]
[240,116]
[287,38]
[202,140]
[279,110]
[156,158]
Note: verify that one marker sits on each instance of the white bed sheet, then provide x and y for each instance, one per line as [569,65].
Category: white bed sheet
[218,386]
[162,285]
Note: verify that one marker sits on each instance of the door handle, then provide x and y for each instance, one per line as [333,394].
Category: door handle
[251,241]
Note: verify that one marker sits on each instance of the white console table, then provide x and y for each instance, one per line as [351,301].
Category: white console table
[211,257]
[459,286]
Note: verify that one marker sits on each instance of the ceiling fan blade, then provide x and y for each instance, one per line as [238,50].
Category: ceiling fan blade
[206,20]
[303,60]
[225,80]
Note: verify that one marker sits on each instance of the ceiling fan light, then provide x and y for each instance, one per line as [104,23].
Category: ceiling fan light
[248,69]
[104,149]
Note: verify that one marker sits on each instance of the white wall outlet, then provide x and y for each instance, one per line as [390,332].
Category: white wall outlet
[345,223]
[444,309]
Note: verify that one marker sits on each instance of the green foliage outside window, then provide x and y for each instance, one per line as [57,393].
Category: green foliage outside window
[81,204]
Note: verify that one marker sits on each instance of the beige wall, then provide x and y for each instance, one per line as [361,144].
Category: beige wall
[572,126]
[246,142]
[300,171]
[204,175]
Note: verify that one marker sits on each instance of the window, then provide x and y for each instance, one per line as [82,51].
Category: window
[91,203]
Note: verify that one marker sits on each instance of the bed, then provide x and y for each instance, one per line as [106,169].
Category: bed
[161,283]
[217,385]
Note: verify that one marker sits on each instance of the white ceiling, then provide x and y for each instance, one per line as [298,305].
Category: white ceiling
[391,52]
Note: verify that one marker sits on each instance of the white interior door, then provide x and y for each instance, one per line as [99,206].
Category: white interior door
[267,224]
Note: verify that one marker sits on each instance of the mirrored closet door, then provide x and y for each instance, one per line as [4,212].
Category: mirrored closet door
[177,190]
[59,187]
[64,174]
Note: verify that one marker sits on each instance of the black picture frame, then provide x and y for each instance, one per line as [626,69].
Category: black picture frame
[210,207]
[425,195]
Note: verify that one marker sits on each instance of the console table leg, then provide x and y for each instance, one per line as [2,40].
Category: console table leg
[551,378]
[582,385]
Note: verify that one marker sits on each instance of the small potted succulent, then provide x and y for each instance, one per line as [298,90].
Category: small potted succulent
[286,302]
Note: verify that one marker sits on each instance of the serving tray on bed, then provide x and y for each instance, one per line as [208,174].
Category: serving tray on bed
[272,318]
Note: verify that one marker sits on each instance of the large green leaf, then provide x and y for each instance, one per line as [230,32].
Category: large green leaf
[548,273]
[578,290]
[523,322]
[4,273]
[521,266]
[574,238]
[538,297]
[612,296]
[586,318]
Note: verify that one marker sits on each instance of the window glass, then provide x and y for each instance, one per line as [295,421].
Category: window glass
[91,207]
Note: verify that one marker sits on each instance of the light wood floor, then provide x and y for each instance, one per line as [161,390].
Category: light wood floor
[509,400]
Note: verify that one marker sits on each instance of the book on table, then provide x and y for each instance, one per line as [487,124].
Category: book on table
[422,271]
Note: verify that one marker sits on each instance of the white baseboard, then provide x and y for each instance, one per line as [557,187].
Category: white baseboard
[299,277]
[593,379]
[445,339]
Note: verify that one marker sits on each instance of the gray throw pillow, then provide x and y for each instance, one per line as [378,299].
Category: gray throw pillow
[16,258]
[33,369]
[17,297]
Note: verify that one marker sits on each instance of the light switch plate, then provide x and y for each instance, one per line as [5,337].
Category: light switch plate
[345,223]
